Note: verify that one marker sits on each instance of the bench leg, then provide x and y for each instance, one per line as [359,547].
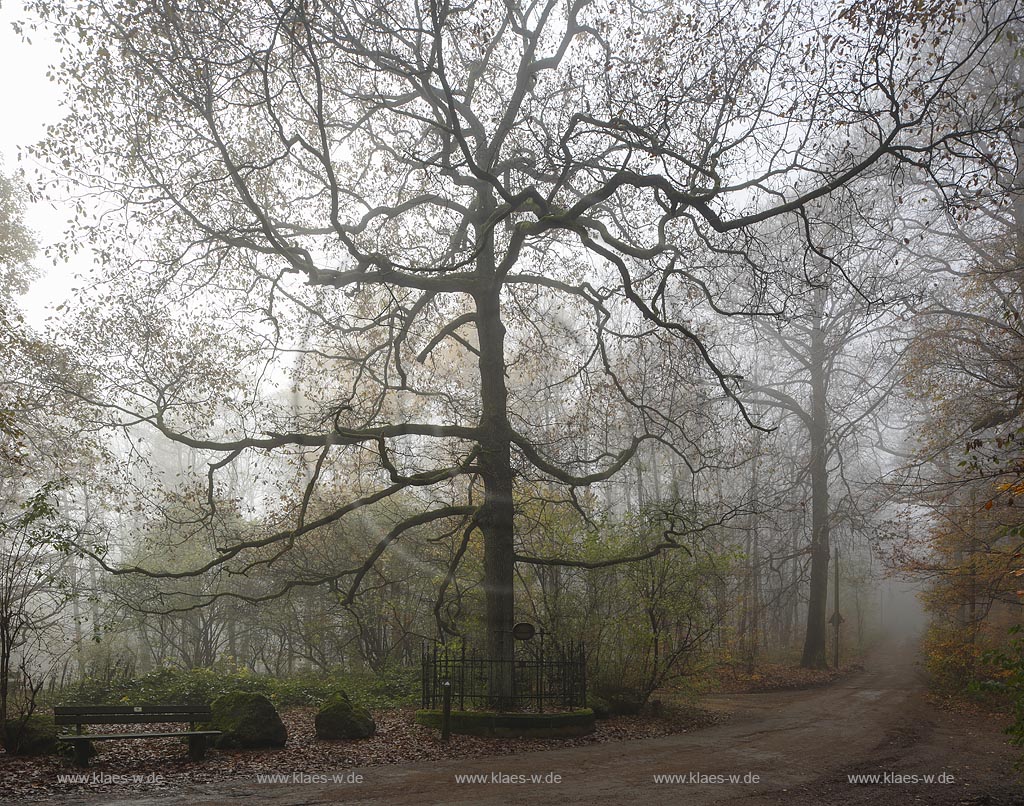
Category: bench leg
[81,752]
[197,748]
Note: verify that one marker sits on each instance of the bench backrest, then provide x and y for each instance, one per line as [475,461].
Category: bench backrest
[128,714]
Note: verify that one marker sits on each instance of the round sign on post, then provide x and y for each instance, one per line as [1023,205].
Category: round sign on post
[523,631]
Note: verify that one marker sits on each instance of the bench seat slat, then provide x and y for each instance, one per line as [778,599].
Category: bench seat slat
[127,719]
[102,736]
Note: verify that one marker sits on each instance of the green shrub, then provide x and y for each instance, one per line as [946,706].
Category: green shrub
[619,700]
[599,706]
[953,662]
[35,735]
[392,687]
[1009,663]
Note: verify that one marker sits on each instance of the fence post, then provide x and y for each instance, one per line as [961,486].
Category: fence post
[446,711]
[583,670]
[540,675]
[569,676]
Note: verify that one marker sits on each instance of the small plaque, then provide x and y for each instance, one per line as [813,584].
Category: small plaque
[523,631]
[137,709]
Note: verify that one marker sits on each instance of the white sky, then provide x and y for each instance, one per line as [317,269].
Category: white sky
[28,103]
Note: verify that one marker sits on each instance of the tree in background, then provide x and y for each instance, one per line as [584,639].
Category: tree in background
[833,369]
[34,588]
[34,570]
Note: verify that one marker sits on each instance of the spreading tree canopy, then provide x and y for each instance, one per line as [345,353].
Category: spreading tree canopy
[463,231]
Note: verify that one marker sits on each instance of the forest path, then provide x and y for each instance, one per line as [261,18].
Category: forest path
[801,745]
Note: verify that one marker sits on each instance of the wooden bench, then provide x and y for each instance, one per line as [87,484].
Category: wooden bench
[82,715]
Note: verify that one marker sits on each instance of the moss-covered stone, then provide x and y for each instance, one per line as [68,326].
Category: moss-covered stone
[35,736]
[247,721]
[339,718]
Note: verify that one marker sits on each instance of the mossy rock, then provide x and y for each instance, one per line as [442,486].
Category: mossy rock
[35,736]
[339,718]
[248,721]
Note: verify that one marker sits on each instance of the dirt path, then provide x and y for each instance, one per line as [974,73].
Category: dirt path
[796,747]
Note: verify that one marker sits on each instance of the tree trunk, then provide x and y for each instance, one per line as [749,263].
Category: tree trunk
[815,639]
[6,650]
[496,515]
[751,588]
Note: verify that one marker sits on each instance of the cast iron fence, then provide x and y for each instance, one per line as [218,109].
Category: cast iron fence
[552,679]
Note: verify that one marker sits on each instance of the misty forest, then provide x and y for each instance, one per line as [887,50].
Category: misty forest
[430,381]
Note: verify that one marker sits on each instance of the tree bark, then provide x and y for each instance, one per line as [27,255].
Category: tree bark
[496,515]
[816,637]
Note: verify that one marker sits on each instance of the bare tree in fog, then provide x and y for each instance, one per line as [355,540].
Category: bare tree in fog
[835,368]
[444,190]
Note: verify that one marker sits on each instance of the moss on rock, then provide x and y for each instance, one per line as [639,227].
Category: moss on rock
[339,718]
[247,721]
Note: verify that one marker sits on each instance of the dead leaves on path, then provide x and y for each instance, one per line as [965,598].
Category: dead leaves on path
[777,677]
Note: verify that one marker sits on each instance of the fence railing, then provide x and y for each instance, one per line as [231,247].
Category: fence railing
[552,679]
